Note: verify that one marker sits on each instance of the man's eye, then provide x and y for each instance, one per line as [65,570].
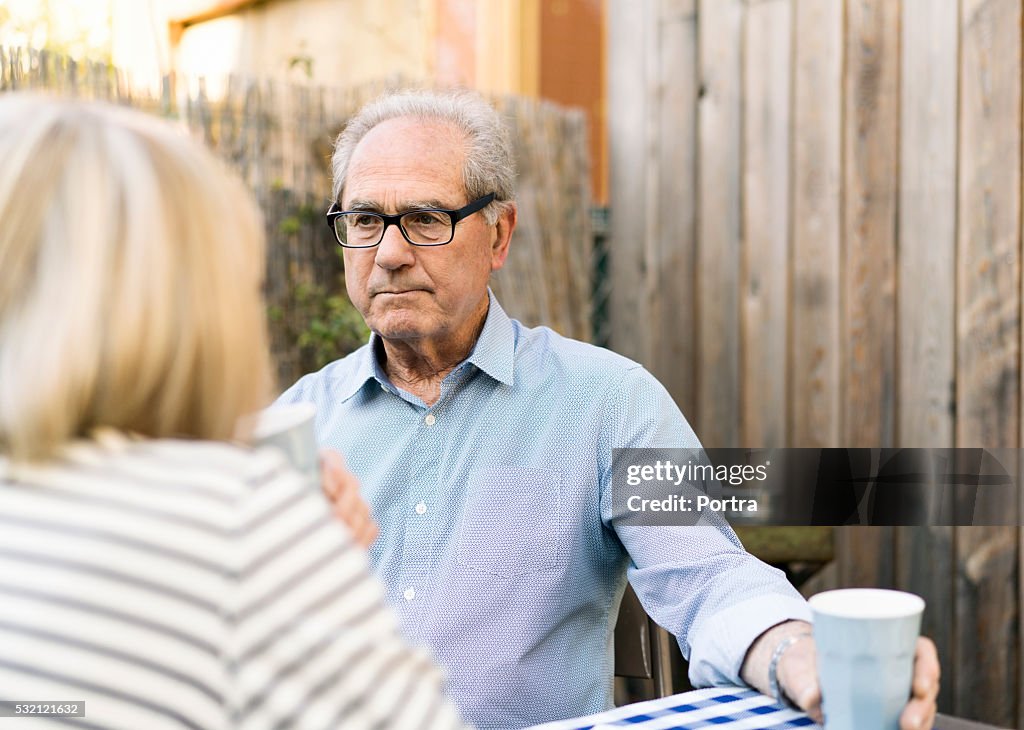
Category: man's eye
[425,219]
[366,220]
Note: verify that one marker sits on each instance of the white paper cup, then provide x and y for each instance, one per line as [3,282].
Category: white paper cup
[865,638]
[290,429]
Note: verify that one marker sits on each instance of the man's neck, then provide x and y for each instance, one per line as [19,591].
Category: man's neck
[420,366]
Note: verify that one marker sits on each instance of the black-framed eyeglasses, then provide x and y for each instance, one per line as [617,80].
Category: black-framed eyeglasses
[420,227]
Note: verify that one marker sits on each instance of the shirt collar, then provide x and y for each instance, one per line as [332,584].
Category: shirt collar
[493,353]
[365,369]
[495,349]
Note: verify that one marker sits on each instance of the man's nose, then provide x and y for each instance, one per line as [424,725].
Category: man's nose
[393,251]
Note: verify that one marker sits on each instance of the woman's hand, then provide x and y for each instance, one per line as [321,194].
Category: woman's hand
[342,489]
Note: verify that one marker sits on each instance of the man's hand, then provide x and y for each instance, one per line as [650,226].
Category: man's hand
[342,489]
[797,673]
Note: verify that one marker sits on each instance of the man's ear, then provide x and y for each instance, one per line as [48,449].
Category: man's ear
[503,228]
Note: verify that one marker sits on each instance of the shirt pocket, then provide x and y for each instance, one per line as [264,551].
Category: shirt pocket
[512,522]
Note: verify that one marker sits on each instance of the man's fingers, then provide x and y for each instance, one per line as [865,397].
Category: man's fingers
[926,670]
[798,675]
[918,715]
[808,697]
[806,694]
[920,711]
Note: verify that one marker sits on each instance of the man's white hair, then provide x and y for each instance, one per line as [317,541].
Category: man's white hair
[489,166]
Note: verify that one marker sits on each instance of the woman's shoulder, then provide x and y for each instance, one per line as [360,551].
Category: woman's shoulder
[215,458]
[221,469]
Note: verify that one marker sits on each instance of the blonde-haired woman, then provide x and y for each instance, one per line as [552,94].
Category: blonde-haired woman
[148,567]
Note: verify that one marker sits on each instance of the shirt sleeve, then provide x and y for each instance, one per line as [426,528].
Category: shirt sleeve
[297,391]
[311,641]
[696,581]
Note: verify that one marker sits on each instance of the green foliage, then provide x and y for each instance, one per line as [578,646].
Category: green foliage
[303,62]
[311,319]
[333,326]
[307,213]
[289,225]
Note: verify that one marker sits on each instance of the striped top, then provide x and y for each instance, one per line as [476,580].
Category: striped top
[184,584]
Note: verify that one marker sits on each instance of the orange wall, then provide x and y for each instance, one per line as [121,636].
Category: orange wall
[572,71]
[571,48]
[455,52]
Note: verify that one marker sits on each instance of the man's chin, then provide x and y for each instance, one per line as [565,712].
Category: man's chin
[399,328]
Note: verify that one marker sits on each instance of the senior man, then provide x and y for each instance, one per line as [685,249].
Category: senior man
[485,450]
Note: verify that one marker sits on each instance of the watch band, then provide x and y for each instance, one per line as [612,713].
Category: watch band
[773,667]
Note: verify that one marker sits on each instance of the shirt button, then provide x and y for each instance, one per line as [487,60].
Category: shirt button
[409,594]
[421,508]
[430,420]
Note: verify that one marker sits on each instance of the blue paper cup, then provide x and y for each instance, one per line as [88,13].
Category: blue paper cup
[290,429]
[866,639]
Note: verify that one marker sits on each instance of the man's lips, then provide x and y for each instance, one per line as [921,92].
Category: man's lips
[397,292]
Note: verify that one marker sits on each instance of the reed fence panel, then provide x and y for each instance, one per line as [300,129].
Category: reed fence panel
[278,137]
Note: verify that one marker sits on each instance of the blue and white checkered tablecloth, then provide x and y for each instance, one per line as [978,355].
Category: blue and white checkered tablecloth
[729,708]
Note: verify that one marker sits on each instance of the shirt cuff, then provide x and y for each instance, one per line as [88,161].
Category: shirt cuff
[722,641]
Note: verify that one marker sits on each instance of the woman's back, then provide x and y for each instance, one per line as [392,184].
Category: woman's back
[172,584]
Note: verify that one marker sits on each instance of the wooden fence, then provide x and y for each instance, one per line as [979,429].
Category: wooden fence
[816,241]
[278,137]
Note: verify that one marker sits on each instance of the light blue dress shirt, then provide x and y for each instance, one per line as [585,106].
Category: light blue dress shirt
[498,549]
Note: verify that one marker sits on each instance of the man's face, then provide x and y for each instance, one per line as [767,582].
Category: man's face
[407,292]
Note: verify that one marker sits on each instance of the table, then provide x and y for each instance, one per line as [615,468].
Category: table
[727,708]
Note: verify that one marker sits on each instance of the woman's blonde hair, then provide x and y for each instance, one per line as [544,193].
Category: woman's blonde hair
[130,272]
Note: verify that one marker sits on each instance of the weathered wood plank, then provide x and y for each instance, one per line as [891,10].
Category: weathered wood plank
[865,557]
[815,306]
[631,152]
[988,346]
[766,171]
[817,124]
[673,266]
[870,155]
[927,286]
[870,140]
[719,223]
[826,579]
[927,261]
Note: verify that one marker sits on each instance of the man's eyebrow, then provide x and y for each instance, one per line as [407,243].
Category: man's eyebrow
[420,204]
[372,206]
[365,205]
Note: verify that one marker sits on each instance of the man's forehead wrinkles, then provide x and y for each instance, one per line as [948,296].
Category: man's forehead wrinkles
[403,171]
[395,206]
[400,167]
[398,191]
[385,149]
